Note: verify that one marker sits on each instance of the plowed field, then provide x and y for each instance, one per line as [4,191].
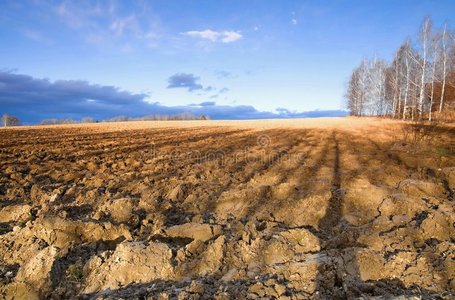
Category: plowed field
[297,209]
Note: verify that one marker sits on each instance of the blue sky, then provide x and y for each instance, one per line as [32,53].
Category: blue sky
[264,55]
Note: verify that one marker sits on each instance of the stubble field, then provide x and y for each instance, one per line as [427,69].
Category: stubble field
[291,209]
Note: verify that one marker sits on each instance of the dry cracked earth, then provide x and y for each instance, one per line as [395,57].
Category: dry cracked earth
[304,209]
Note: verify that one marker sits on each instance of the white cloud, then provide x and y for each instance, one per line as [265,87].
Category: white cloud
[215,36]
[294,21]
[231,36]
[205,34]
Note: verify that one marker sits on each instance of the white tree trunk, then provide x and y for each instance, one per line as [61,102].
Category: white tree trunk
[396,89]
[407,87]
[444,66]
[433,75]
[433,78]
[425,32]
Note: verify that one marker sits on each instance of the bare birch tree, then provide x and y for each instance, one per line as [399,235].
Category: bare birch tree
[444,74]
[407,87]
[434,63]
[408,78]
[424,36]
[9,120]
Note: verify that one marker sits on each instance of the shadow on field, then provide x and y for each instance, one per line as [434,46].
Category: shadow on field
[339,272]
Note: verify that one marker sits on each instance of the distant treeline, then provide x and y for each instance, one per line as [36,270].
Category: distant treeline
[175,117]
[418,84]
[55,121]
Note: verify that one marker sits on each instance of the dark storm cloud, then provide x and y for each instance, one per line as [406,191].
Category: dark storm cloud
[33,99]
[184,80]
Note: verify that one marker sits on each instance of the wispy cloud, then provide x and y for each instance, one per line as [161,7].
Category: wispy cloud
[221,91]
[37,36]
[222,74]
[228,36]
[111,25]
[104,24]
[78,15]
[120,25]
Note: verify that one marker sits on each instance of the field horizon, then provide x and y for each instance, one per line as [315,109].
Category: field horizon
[317,122]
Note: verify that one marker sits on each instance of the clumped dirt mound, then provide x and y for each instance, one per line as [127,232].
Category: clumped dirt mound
[341,210]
